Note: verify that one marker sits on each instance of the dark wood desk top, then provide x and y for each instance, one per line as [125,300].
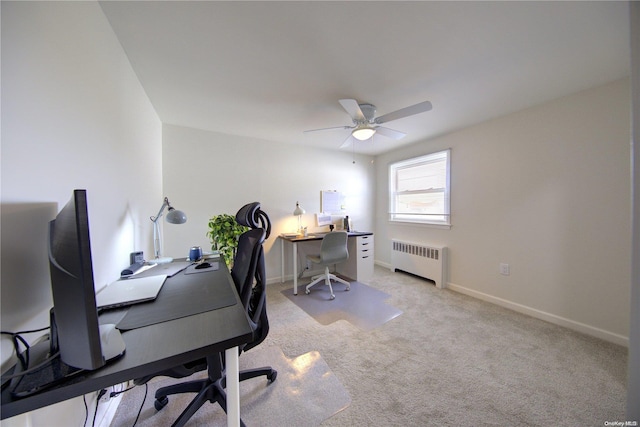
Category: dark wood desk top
[151,349]
[319,236]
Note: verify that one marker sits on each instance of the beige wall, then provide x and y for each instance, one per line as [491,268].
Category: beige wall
[208,173]
[545,190]
[633,398]
[73,116]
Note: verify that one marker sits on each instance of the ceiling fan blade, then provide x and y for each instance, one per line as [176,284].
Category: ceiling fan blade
[347,142]
[404,112]
[331,128]
[390,133]
[352,107]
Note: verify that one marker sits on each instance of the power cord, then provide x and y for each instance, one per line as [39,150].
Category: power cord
[95,413]
[86,409]
[23,356]
[115,393]
[31,369]
[146,389]
[17,336]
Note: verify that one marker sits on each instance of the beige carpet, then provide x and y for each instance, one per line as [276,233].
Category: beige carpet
[448,360]
[452,360]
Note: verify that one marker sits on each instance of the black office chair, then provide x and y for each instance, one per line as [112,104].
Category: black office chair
[253,217]
[249,276]
[253,292]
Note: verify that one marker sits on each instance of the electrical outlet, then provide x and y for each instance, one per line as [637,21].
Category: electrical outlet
[505,270]
[105,396]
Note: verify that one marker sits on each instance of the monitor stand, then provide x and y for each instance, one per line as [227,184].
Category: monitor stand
[113,345]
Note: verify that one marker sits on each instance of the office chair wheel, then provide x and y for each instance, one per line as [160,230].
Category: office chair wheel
[161,403]
[307,291]
[272,376]
[332,297]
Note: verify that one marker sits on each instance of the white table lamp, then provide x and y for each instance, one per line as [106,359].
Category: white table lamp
[174,216]
[299,211]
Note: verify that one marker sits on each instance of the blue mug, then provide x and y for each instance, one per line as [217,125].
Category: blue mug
[195,253]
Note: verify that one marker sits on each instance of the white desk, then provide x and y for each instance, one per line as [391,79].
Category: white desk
[358,267]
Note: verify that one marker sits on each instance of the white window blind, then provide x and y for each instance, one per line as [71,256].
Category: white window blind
[419,189]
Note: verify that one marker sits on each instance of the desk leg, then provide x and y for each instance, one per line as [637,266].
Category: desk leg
[233,387]
[295,268]
[281,260]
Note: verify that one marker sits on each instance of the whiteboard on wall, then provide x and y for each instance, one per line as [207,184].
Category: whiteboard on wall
[332,202]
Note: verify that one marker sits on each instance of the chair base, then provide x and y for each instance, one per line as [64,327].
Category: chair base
[327,277]
[210,389]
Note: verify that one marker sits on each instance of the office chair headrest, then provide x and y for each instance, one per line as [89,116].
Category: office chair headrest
[250,215]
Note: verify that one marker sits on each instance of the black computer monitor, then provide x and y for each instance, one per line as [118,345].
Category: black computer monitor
[76,329]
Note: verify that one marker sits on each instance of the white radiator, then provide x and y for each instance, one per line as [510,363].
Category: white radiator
[420,259]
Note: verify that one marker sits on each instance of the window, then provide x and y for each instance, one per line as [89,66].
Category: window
[419,189]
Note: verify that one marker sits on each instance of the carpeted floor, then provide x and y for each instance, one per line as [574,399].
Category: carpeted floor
[447,360]
[452,360]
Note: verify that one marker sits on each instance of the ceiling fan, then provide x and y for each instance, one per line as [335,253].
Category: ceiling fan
[365,124]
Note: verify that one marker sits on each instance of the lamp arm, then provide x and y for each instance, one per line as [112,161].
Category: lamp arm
[156,228]
[164,205]
[156,240]
[174,217]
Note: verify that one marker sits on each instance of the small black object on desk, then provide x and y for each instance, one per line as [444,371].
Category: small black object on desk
[203,265]
[132,269]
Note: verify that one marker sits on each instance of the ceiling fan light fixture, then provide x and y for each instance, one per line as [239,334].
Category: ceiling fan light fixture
[363,133]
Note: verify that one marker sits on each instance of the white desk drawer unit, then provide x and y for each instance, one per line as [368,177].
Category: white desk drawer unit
[361,268]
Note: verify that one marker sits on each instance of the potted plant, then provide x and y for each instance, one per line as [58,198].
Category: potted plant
[223,233]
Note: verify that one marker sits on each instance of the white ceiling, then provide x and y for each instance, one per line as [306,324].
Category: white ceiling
[271,70]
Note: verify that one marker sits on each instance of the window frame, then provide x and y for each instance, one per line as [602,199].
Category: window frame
[419,218]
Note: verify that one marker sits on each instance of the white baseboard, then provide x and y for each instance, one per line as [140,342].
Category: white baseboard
[548,317]
[538,314]
[383,264]
[529,311]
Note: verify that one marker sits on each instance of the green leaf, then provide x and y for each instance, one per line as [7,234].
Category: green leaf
[223,233]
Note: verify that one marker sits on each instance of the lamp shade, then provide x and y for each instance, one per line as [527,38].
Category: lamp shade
[175,216]
[363,133]
[298,211]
